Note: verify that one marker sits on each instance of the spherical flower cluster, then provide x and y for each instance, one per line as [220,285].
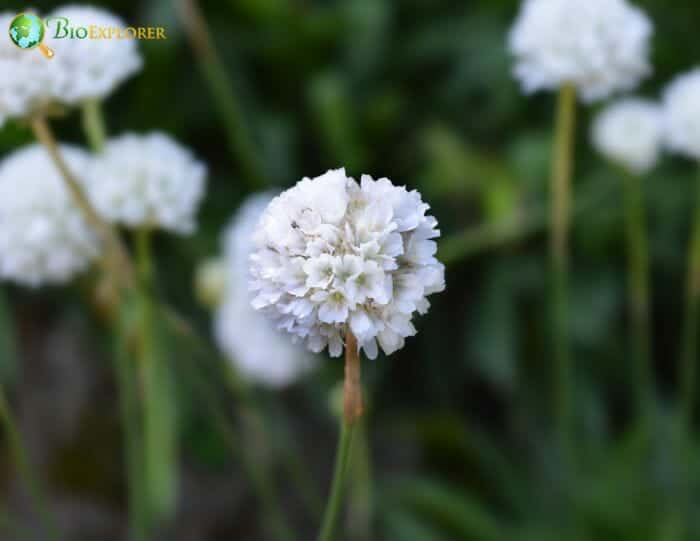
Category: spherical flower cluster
[682,114]
[259,351]
[630,133]
[27,80]
[80,68]
[93,68]
[599,46]
[148,181]
[43,236]
[332,255]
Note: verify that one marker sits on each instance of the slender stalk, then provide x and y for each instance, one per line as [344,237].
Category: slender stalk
[638,292]
[159,407]
[360,496]
[93,124]
[117,261]
[690,332]
[130,416]
[21,459]
[230,111]
[562,166]
[352,412]
[342,459]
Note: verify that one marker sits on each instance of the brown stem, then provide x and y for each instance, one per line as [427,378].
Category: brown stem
[117,259]
[353,406]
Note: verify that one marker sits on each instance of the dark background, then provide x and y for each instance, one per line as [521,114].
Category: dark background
[458,432]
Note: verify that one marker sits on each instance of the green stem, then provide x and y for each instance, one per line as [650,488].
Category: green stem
[692,310]
[342,458]
[638,293]
[562,165]
[93,124]
[352,414]
[126,370]
[360,499]
[160,442]
[21,459]
[230,111]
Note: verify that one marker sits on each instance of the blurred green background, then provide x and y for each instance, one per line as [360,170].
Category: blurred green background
[458,441]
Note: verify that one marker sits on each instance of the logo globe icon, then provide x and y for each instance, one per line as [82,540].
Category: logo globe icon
[27,32]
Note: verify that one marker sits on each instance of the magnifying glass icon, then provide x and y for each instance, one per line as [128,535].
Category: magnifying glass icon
[27,32]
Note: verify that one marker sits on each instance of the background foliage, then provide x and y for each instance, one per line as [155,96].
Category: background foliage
[458,439]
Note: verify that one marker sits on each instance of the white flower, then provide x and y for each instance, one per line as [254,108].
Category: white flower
[28,82]
[599,46]
[80,69]
[682,114]
[260,352]
[93,68]
[629,133]
[43,236]
[333,255]
[148,180]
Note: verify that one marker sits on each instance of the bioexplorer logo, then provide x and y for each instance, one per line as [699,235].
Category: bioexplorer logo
[27,31]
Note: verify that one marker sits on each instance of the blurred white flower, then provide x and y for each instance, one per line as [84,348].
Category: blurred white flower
[28,82]
[630,133]
[259,351]
[148,180]
[682,114]
[43,236]
[600,46]
[333,255]
[80,69]
[93,68]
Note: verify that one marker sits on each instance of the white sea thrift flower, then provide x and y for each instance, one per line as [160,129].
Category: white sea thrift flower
[43,236]
[630,133]
[80,69]
[28,82]
[600,46]
[148,180]
[682,114]
[333,255]
[259,351]
[94,68]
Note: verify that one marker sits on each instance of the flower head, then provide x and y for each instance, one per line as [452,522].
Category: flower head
[258,350]
[148,180]
[682,114]
[80,69]
[28,82]
[630,134]
[43,236]
[94,68]
[600,46]
[332,255]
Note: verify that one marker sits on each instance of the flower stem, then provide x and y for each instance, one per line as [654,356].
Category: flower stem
[638,292]
[126,371]
[692,311]
[352,413]
[116,261]
[562,165]
[20,457]
[240,143]
[93,124]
